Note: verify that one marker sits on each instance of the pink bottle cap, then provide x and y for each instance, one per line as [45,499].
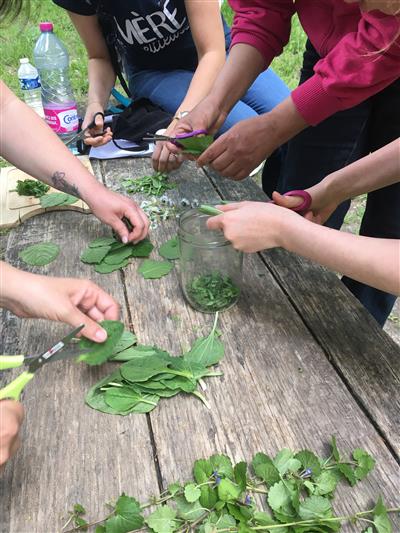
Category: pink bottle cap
[46,26]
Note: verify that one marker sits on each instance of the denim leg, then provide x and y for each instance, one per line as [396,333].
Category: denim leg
[266,92]
[166,89]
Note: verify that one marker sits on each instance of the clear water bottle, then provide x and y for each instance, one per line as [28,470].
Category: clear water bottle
[30,85]
[52,62]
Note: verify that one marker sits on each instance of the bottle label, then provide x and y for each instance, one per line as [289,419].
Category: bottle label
[28,84]
[62,120]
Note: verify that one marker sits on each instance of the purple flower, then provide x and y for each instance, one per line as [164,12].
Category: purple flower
[306,473]
[247,500]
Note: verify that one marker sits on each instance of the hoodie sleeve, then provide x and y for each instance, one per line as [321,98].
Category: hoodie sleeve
[361,64]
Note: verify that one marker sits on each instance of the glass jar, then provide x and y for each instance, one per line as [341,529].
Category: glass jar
[210,268]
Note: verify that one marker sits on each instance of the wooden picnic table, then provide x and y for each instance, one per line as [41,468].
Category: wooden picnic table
[303,361]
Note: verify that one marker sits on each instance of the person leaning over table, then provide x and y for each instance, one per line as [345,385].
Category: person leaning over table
[172,51]
[73,301]
[255,226]
[347,105]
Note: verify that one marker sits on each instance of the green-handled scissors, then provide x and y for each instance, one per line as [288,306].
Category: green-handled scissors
[34,362]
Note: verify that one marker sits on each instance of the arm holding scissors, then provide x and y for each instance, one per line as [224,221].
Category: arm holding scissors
[23,136]
[73,301]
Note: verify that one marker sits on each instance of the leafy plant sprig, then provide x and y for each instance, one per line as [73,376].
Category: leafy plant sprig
[220,498]
[155,185]
[30,187]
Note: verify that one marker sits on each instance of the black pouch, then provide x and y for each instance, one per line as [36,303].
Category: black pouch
[139,119]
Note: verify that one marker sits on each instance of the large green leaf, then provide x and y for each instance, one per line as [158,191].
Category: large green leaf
[151,269]
[196,145]
[265,469]
[141,249]
[309,461]
[170,249]
[39,254]
[94,255]
[285,461]
[315,507]
[57,198]
[208,350]
[365,463]
[381,520]
[139,370]
[102,241]
[162,520]
[100,352]
[118,256]
[124,399]
[104,268]
[228,491]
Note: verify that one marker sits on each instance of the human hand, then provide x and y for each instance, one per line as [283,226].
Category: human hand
[252,226]
[92,138]
[238,151]
[11,417]
[110,207]
[68,300]
[163,159]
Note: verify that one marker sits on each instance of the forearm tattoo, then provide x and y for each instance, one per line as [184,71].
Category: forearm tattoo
[60,183]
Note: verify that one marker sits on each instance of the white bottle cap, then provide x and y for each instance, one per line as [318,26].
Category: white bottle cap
[24,60]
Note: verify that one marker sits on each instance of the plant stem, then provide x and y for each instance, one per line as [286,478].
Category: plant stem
[79,528]
[201,397]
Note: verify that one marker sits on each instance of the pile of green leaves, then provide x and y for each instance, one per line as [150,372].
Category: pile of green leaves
[212,292]
[148,372]
[297,490]
[31,188]
[196,145]
[155,185]
[109,254]
[39,254]
[54,199]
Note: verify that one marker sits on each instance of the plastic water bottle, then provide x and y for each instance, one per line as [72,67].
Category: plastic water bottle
[52,62]
[30,85]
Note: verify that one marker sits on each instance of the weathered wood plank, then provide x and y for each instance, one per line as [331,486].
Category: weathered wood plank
[366,357]
[70,453]
[278,390]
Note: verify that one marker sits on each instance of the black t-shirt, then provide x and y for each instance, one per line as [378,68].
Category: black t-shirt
[150,34]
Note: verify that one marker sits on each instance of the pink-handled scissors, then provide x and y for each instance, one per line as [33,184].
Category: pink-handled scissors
[304,206]
[175,140]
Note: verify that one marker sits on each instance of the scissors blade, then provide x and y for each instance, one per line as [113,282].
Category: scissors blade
[45,357]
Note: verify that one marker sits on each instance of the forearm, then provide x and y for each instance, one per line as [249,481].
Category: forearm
[101,81]
[22,132]
[242,67]
[375,262]
[377,170]
[11,281]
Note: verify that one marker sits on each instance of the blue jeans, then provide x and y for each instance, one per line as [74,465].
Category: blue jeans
[336,142]
[167,89]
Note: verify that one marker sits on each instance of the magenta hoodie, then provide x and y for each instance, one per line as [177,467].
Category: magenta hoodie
[346,38]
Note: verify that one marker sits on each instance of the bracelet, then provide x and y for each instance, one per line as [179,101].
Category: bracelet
[180,115]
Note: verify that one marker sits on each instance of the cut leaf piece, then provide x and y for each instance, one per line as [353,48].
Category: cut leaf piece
[196,145]
[100,352]
[170,249]
[39,254]
[151,269]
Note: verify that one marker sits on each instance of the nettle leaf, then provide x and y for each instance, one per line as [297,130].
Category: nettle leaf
[335,451]
[285,461]
[128,516]
[39,254]
[162,520]
[309,461]
[104,268]
[100,352]
[192,493]
[315,507]
[326,482]
[365,463]
[151,269]
[265,469]
[381,521]
[102,241]
[57,198]
[196,145]
[222,464]
[170,249]
[188,511]
[240,474]
[94,255]
[206,351]
[348,473]
[228,491]
[141,249]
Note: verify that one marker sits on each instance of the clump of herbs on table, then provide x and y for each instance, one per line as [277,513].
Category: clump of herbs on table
[155,185]
[148,373]
[297,490]
[30,187]
[212,292]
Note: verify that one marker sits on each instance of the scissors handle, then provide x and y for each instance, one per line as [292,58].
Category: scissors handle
[307,200]
[13,390]
[11,361]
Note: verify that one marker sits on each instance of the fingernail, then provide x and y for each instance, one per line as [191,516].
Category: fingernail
[101,335]
[125,239]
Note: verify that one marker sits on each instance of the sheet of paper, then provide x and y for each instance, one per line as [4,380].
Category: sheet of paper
[111,151]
